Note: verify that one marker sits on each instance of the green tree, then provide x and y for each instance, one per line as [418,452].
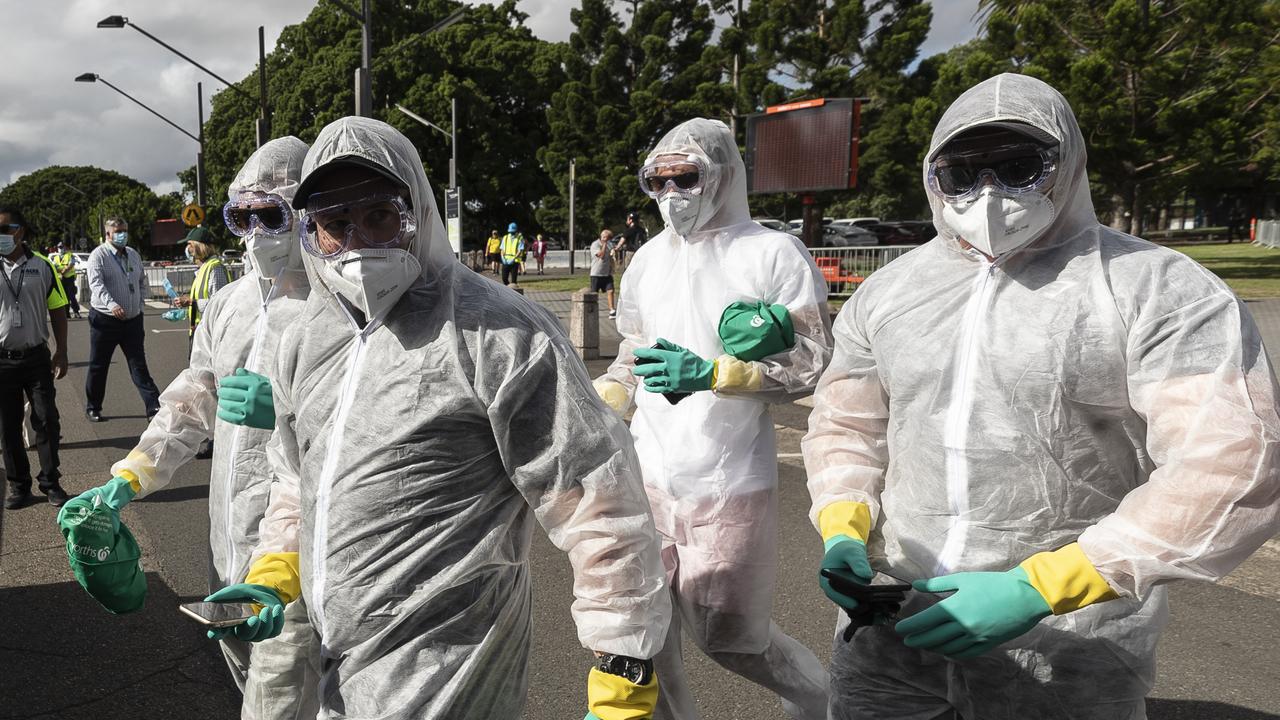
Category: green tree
[49,199]
[139,207]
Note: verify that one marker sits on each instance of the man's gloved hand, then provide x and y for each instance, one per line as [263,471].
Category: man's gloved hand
[849,554]
[245,399]
[987,609]
[613,394]
[265,625]
[671,368]
[114,494]
[612,697]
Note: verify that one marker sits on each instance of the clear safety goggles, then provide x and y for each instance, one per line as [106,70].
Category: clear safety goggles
[685,175]
[341,220]
[255,210]
[1013,169]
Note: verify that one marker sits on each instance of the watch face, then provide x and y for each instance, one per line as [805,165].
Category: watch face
[635,671]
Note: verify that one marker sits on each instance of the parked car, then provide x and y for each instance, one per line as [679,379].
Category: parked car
[773,224]
[837,236]
[888,233]
[231,255]
[859,221]
[920,231]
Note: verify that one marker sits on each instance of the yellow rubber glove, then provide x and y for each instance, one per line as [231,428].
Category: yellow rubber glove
[611,697]
[613,393]
[138,469]
[845,517]
[278,571]
[1066,579]
[732,375]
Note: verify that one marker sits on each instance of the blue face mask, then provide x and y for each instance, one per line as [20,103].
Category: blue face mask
[190,257]
[120,239]
[7,244]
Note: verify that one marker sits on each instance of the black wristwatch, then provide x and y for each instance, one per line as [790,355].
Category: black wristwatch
[639,672]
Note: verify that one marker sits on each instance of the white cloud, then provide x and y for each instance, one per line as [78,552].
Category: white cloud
[953,23]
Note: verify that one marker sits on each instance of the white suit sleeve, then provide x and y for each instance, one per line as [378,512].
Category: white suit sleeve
[572,460]
[188,413]
[278,529]
[631,328]
[1200,378]
[846,449]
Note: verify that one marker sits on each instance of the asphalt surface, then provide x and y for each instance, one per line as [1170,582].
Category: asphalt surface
[62,656]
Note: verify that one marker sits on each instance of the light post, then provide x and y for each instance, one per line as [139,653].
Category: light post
[94,77]
[452,132]
[262,130]
[85,195]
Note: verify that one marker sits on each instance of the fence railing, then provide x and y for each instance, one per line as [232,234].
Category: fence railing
[180,276]
[1267,233]
[846,268]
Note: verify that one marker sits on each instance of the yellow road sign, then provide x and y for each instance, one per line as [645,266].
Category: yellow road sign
[192,215]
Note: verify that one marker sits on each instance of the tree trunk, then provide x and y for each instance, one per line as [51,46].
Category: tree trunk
[1135,211]
[1119,201]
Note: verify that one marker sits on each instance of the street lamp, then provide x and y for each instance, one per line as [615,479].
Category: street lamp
[263,124]
[452,132]
[94,77]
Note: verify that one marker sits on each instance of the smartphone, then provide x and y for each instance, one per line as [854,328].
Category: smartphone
[216,614]
[843,577]
[672,398]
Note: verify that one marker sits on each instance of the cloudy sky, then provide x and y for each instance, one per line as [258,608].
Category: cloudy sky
[50,120]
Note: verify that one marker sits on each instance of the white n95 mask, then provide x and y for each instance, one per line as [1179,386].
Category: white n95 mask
[270,252]
[680,212]
[996,223]
[372,279]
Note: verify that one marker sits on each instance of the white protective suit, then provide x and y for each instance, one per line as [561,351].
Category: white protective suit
[710,462]
[241,328]
[413,459]
[1090,386]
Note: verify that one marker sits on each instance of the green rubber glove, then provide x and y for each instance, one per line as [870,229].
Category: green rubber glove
[245,399]
[987,609]
[265,625]
[113,495]
[671,368]
[845,553]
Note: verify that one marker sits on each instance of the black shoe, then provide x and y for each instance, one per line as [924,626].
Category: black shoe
[93,415]
[206,450]
[56,495]
[17,498]
[151,415]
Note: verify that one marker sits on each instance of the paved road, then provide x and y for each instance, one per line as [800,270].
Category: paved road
[61,656]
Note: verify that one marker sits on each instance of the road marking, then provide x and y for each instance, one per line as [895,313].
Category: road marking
[164,331]
[790,455]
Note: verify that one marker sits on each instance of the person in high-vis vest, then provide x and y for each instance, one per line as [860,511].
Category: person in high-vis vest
[511,251]
[210,277]
[65,265]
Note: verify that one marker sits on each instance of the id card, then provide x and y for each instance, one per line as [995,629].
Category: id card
[17,318]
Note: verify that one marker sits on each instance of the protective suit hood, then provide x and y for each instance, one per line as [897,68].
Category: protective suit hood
[276,168]
[726,189]
[1023,99]
[378,143]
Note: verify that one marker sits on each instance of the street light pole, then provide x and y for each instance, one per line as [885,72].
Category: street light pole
[94,77]
[451,132]
[572,249]
[119,21]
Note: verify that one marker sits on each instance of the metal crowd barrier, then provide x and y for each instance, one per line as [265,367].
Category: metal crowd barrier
[180,276]
[846,268]
[1267,233]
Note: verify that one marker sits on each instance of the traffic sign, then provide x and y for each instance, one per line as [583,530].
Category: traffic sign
[453,218]
[192,215]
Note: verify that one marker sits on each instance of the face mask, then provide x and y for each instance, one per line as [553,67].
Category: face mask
[996,223]
[120,239]
[270,253]
[187,252]
[7,244]
[680,212]
[372,279]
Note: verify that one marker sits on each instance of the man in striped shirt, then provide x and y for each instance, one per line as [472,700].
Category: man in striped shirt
[117,287]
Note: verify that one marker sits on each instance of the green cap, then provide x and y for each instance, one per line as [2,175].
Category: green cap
[106,561]
[199,233]
[756,331]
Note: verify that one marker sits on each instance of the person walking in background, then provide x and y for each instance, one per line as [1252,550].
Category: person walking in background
[65,265]
[117,287]
[491,251]
[511,252]
[539,251]
[602,268]
[31,291]
[633,237]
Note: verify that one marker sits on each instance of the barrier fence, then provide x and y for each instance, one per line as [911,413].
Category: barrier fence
[180,276]
[846,268]
[1267,233]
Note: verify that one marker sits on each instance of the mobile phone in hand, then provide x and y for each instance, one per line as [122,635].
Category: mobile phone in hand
[216,614]
[673,397]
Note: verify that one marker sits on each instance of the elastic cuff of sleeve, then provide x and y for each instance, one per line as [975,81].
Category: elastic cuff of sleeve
[1066,579]
[278,571]
[845,517]
[611,697]
[614,394]
[729,374]
[138,468]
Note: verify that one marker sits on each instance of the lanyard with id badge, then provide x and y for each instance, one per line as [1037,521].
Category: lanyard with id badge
[17,293]
[126,268]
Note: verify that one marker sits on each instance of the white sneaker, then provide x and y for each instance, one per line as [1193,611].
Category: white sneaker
[613,314]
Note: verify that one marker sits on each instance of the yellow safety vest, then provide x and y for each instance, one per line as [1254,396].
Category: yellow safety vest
[512,248]
[200,291]
[64,264]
